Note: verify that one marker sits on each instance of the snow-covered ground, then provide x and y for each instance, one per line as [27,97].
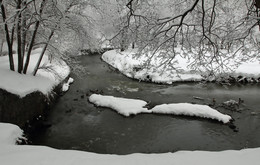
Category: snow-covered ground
[11,154]
[127,107]
[50,75]
[131,66]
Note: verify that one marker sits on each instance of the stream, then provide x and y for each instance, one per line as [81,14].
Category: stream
[76,124]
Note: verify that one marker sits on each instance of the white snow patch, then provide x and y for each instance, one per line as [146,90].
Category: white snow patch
[9,134]
[22,85]
[123,106]
[132,89]
[188,109]
[65,86]
[131,66]
[70,80]
[11,154]
[230,103]
[50,75]
[127,107]
[249,68]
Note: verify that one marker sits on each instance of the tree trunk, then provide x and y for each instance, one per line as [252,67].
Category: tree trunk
[9,43]
[19,37]
[1,46]
[42,53]
[32,40]
[23,35]
[30,47]
[12,34]
[257,3]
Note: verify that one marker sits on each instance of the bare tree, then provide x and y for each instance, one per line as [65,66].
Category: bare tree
[8,38]
[32,24]
[210,31]
[35,31]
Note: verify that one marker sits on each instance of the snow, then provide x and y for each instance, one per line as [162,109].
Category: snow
[70,80]
[24,84]
[126,63]
[9,134]
[65,86]
[127,107]
[131,66]
[249,69]
[45,80]
[230,103]
[123,106]
[187,109]
[11,154]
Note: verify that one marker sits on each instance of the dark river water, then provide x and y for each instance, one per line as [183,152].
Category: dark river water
[77,124]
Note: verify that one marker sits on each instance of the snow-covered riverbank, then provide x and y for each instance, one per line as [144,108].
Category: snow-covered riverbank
[50,75]
[131,66]
[11,154]
[23,97]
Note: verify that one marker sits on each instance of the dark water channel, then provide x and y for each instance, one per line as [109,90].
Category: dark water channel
[77,124]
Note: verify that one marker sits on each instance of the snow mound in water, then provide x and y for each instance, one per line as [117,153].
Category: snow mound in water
[123,106]
[127,107]
[188,109]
